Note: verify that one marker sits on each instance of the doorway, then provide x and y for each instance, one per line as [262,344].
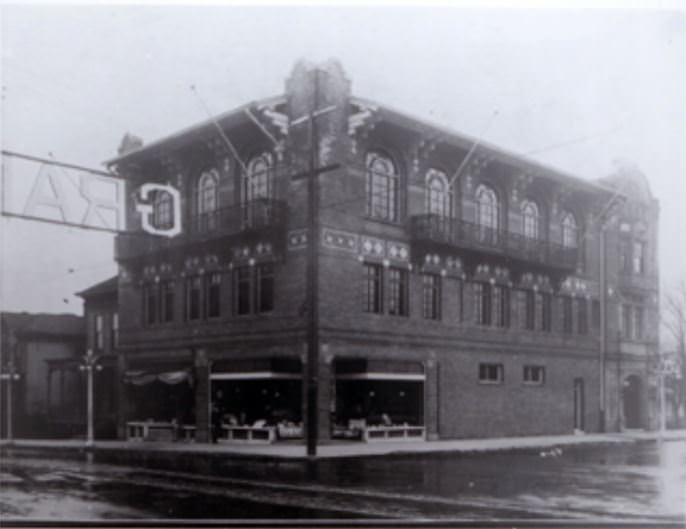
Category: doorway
[579,404]
[631,401]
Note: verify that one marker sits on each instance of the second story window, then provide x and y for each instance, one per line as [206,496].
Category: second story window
[193,288]
[530,219]
[487,214]
[582,315]
[638,265]
[625,254]
[99,332]
[431,302]
[253,289]
[638,323]
[483,303]
[567,316]
[167,301]
[207,201]
[373,292]
[257,181]
[242,289]
[438,195]
[398,292]
[150,304]
[115,330]
[529,309]
[213,283]
[544,301]
[570,231]
[382,188]
[265,288]
[162,213]
[501,302]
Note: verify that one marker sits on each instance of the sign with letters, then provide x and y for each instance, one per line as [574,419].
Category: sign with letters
[46,190]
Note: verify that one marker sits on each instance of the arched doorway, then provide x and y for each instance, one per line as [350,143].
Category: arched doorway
[631,401]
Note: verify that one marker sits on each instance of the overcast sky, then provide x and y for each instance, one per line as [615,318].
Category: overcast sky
[599,85]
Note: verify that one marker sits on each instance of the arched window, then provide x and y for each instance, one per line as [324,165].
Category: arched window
[438,194]
[531,219]
[257,182]
[570,231]
[382,187]
[162,215]
[207,200]
[487,208]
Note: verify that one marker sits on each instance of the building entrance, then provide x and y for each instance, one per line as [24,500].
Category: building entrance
[631,401]
[579,404]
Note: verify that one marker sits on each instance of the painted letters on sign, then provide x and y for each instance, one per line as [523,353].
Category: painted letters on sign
[49,191]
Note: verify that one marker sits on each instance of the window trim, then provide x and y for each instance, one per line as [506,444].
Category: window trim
[530,368]
[401,287]
[431,304]
[373,288]
[391,188]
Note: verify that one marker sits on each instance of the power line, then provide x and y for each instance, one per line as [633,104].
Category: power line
[228,143]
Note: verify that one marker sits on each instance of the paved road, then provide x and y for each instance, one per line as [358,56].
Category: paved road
[633,482]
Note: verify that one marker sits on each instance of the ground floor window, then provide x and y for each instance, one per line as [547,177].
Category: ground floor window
[534,375]
[379,402]
[491,373]
[249,402]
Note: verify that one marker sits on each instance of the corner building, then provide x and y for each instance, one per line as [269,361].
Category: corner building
[469,306]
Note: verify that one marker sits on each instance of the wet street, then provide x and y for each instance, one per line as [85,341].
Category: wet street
[631,482]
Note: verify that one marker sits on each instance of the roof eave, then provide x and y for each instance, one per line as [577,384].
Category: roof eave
[230,118]
[468,141]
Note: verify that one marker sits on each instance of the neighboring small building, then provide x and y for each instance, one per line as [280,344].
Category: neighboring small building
[102,335]
[47,396]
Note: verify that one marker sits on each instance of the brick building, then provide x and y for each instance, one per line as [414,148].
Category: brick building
[470,306]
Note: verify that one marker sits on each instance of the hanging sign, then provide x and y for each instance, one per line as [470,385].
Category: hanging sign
[50,191]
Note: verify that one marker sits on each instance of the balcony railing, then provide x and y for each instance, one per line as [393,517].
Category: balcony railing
[463,234]
[260,214]
[254,215]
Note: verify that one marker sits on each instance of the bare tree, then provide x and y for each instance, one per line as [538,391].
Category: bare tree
[674,322]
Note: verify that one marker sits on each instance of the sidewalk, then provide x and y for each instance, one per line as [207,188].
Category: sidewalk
[355,449]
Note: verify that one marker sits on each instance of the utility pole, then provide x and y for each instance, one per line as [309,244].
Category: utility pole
[90,364]
[312,175]
[313,279]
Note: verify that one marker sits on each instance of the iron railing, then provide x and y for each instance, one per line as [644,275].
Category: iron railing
[251,216]
[460,233]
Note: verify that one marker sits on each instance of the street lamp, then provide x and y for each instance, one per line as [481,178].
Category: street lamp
[90,363]
[10,374]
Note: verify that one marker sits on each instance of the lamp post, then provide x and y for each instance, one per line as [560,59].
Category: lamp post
[10,374]
[90,364]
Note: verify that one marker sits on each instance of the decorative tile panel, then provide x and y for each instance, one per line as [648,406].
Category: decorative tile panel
[340,240]
[372,247]
[297,239]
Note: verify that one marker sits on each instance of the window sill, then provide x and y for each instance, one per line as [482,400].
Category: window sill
[491,382]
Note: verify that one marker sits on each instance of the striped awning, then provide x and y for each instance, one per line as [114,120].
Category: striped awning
[139,377]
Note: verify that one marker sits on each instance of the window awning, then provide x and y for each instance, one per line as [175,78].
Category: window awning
[256,375]
[418,377]
[141,377]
